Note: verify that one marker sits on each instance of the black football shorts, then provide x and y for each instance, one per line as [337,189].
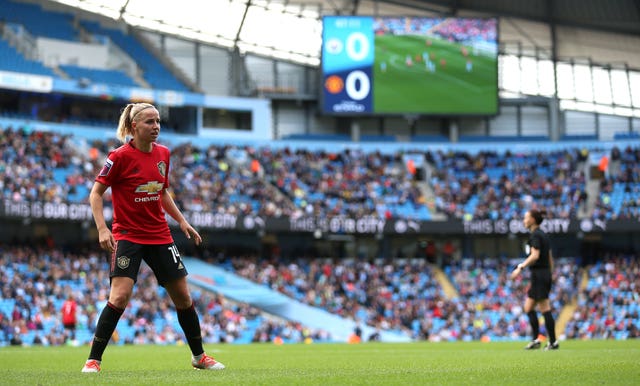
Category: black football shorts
[163,259]
[540,284]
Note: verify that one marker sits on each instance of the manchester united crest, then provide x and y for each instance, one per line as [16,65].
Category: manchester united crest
[162,168]
[123,262]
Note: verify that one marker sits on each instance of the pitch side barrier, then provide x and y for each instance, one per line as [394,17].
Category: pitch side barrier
[367,225]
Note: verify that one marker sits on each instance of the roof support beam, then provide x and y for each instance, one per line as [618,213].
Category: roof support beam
[123,10]
[244,17]
[554,110]
[354,8]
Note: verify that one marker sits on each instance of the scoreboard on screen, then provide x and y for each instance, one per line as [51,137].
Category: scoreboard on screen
[347,64]
[403,65]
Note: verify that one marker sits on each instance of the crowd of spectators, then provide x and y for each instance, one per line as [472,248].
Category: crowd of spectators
[491,185]
[35,282]
[270,182]
[467,30]
[389,295]
[350,182]
[220,179]
[399,295]
[393,295]
[403,295]
[609,305]
[490,304]
[619,196]
[27,161]
[243,180]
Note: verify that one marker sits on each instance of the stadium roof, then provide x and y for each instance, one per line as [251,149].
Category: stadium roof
[291,30]
[619,16]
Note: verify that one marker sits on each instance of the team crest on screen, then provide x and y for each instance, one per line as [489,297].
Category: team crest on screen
[162,168]
[334,84]
[123,262]
[334,46]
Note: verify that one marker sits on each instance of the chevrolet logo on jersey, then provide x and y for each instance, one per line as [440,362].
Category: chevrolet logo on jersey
[151,187]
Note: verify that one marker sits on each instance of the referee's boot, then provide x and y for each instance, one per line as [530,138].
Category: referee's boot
[552,346]
[533,345]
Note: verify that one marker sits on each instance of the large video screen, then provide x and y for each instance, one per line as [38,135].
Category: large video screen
[407,65]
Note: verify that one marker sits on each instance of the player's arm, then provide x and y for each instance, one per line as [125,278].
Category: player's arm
[551,260]
[105,237]
[171,208]
[532,258]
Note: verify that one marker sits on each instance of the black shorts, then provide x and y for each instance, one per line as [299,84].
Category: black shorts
[163,259]
[540,284]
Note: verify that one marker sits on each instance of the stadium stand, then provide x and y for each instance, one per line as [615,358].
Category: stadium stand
[397,295]
[39,22]
[152,69]
[493,307]
[471,177]
[99,76]
[608,303]
[487,185]
[30,21]
[491,185]
[12,60]
[50,274]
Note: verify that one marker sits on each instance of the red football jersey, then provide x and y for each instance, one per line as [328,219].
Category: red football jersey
[138,180]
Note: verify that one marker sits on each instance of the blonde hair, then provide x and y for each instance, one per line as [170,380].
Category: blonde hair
[127,117]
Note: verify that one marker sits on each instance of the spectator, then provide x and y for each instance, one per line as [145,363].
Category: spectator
[69,318]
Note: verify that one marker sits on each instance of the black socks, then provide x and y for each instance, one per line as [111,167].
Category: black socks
[535,326]
[550,325]
[106,325]
[188,319]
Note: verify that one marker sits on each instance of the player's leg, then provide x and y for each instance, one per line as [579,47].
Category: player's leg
[121,288]
[124,266]
[172,275]
[529,309]
[549,324]
[544,289]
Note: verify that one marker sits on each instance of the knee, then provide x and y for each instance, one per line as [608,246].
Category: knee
[182,301]
[120,299]
[179,293]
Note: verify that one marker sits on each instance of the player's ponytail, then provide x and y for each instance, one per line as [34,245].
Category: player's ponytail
[124,123]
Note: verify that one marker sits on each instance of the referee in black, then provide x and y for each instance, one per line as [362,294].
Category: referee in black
[540,262]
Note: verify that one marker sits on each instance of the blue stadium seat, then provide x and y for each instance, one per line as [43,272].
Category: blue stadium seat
[319,137]
[429,138]
[579,137]
[378,138]
[626,135]
[99,75]
[154,72]
[14,61]
[39,22]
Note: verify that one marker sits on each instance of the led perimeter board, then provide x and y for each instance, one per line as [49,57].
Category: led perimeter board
[405,65]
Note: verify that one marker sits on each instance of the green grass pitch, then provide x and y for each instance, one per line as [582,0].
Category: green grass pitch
[597,362]
[450,88]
